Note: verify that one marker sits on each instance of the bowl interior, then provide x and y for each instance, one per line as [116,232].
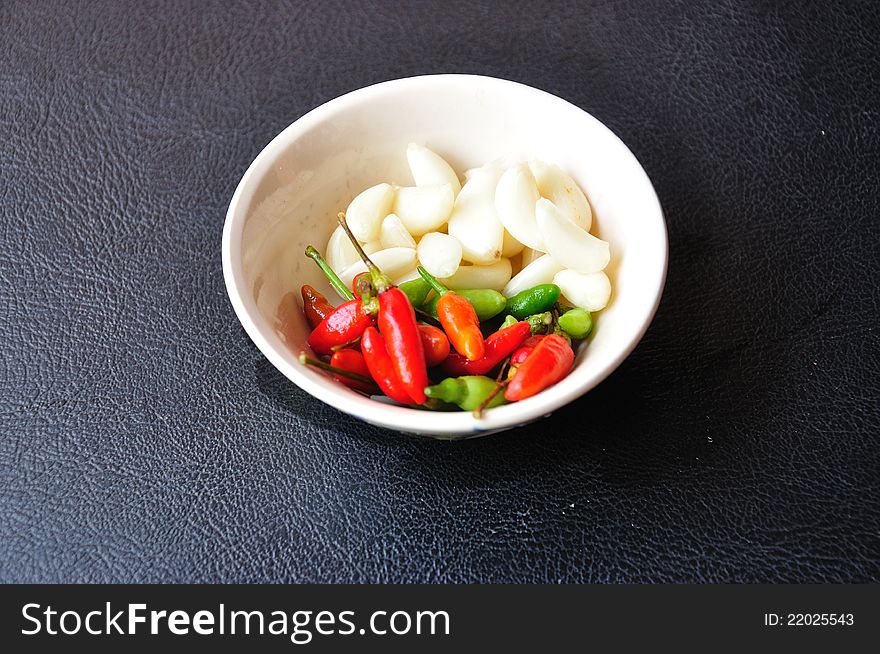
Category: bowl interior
[290,196]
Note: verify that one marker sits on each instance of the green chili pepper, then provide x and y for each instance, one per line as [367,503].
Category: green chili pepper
[577,323]
[508,321]
[533,300]
[416,290]
[486,302]
[540,322]
[432,404]
[468,392]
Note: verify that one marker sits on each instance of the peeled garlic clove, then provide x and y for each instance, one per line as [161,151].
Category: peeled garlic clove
[540,271]
[394,235]
[340,253]
[571,246]
[515,198]
[493,276]
[430,169]
[365,213]
[391,261]
[370,248]
[558,187]
[474,221]
[412,273]
[510,247]
[423,209]
[439,254]
[494,166]
[590,291]
[529,255]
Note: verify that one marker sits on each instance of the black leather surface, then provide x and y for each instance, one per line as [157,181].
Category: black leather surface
[144,438]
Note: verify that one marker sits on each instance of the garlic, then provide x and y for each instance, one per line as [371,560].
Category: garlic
[529,255]
[430,169]
[365,213]
[439,254]
[412,273]
[590,291]
[391,261]
[555,185]
[474,221]
[493,276]
[423,209]
[393,234]
[340,252]
[370,248]
[515,198]
[570,245]
[511,247]
[540,271]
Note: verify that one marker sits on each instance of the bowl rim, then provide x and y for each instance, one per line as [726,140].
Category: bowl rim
[378,413]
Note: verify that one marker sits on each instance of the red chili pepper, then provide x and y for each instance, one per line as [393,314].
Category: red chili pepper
[549,362]
[381,367]
[344,325]
[354,282]
[459,320]
[352,361]
[315,306]
[497,347]
[434,343]
[397,322]
[521,353]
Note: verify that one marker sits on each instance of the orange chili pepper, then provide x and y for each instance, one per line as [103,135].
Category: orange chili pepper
[459,320]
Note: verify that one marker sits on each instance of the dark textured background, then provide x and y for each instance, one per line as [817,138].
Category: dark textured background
[144,438]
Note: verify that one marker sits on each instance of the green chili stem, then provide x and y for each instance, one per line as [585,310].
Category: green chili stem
[309,361]
[337,284]
[436,285]
[380,280]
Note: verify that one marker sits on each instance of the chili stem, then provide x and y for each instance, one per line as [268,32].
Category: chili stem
[365,289]
[436,285]
[478,412]
[333,278]
[424,316]
[309,361]
[504,365]
[380,281]
[343,346]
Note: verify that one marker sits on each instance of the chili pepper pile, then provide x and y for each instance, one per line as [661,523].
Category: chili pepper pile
[422,344]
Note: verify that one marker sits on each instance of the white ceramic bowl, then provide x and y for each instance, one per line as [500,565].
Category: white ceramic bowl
[290,195]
